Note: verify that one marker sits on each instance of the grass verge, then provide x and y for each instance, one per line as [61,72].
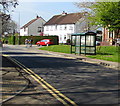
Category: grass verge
[109,53]
[57,48]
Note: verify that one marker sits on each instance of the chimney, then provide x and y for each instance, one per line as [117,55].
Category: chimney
[64,13]
[37,16]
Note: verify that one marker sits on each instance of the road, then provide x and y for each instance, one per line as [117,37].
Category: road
[81,82]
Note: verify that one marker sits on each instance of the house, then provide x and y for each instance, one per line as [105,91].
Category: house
[109,37]
[64,25]
[33,27]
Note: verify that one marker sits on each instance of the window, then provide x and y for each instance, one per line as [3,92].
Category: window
[47,28]
[110,34]
[70,28]
[64,37]
[24,29]
[51,28]
[60,27]
[65,28]
[55,27]
[39,29]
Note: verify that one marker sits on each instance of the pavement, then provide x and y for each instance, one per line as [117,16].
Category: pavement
[14,82]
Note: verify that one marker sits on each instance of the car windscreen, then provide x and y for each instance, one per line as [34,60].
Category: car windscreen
[44,40]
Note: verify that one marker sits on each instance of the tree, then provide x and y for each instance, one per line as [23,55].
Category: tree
[105,14]
[10,27]
[4,16]
[6,4]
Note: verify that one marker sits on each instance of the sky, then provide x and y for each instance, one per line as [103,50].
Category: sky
[27,11]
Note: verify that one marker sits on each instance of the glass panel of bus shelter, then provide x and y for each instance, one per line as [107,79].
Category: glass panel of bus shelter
[82,44]
[73,44]
[73,40]
[90,50]
[77,44]
[90,40]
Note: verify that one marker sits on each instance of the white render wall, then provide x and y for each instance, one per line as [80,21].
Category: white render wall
[24,32]
[63,31]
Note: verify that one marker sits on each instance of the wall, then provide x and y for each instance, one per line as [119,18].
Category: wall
[24,32]
[33,28]
[62,31]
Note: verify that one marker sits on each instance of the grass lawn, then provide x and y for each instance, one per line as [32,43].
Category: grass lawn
[109,53]
[57,48]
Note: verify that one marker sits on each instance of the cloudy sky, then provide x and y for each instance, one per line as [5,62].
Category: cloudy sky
[29,9]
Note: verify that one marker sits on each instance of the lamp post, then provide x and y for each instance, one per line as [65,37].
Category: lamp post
[18,25]
[19,30]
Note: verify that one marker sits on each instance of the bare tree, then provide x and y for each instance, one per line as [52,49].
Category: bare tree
[86,7]
[4,16]
[6,4]
[10,27]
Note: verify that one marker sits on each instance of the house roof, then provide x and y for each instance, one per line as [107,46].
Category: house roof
[64,19]
[30,22]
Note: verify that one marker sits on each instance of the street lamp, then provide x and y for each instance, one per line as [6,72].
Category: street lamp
[18,25]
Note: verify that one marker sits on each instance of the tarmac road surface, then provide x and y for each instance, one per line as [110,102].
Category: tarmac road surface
[80,82]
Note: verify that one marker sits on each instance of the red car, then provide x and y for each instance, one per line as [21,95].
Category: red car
[45,42]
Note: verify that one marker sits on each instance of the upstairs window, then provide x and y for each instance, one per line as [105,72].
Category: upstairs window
[47,28]
[71,28]
[55,27]
[60,27]
[65,28]
[51,28]
[24,29]
[39,29]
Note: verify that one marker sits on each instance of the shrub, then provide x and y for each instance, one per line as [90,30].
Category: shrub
[21,39]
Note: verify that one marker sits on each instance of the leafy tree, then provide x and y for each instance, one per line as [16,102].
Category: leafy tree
[105,14]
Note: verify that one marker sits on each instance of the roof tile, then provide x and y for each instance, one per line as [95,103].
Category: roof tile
[64,19]
[30,22]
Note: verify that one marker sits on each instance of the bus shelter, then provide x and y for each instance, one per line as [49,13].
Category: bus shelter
[83,43]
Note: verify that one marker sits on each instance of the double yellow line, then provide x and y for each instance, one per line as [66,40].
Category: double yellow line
[59,96]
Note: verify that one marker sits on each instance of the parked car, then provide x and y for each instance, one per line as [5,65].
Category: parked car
[45,42]
[118,41]
[97,43]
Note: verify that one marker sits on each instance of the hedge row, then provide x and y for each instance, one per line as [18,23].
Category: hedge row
[21,39]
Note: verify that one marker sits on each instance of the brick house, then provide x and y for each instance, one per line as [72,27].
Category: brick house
[109,37]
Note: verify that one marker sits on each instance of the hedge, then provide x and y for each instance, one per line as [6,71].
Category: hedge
[21,39]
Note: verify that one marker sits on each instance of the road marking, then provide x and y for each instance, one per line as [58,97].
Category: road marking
[57,94]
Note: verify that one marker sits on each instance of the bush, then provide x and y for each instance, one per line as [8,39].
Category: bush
[11,40]
[21,39]
[68,41]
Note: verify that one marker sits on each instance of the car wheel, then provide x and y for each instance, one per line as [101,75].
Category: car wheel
[47,45]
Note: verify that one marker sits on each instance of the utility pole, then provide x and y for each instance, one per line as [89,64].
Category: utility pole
[19,30]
